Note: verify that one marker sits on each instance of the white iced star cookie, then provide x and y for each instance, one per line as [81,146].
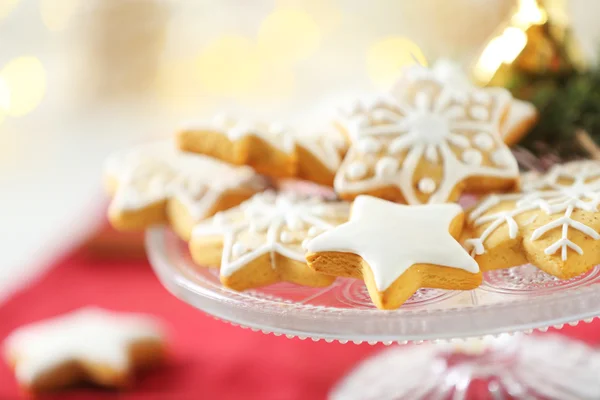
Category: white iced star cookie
[274,150]
[261,241]
[87,345]
[427,142]
[553,224]
[157,183]
[397,249]
[521,115]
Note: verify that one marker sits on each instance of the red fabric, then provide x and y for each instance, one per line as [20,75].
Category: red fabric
[209,359]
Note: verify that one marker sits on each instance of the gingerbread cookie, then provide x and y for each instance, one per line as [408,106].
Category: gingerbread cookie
[519,119]
[273,150]
[397,249]
[88,345]
[554,224]
[427,143]
[157,183]
[260,242]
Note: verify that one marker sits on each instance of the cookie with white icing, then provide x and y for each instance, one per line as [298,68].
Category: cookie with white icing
[397,249]
[426,142]
[261,241]
[517,122]
[274,150]
[553,224]
[88,345]
[519,119]
[157,183]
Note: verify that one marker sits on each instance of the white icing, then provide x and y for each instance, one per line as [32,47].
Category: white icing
[450,73]
[369,145]
[357,170]
[157,171]
[483,141]
[314,231]
[549,195]
[472,157]
[288,220]
[386,166]
[392,237]
[286,237]
[88,335]
[427,128]
[427,185]
[503,157]
[479,112]
[325,146]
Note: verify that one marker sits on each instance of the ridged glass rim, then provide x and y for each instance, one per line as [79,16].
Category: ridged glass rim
[358,325]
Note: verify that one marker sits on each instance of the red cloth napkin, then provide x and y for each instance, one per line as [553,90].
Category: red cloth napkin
[209,359]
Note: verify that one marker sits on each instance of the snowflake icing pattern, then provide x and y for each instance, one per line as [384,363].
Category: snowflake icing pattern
[455,132]
[566,188]
[270,224]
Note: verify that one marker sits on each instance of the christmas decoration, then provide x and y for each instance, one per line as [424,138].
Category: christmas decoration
[536,58]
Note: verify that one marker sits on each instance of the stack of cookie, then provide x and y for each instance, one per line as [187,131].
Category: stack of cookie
[404,160]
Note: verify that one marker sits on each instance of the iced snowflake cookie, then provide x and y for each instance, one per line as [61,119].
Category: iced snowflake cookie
[261,241]
[88,345]
[427,143]
[397,249]
[273,150]
[519,119]
[157,183]
[554,224]
[516,123]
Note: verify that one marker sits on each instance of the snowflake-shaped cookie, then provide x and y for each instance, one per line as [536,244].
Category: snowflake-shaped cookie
[87,345]
[156,183]
[518,121]
[520,116]
[261,241]
[426,142]
[554,223]
[272,149]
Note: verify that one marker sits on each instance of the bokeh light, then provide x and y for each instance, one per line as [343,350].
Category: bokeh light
[529,13]
[4,96]
[229,66]
[25,78]
[56,14]
[326,13]
[288,35]
[501,49]
[6,7]
[387,57]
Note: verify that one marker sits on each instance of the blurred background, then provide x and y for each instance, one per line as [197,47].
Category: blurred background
[80,78]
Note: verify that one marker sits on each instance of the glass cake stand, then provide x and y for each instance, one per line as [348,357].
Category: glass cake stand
[467,347]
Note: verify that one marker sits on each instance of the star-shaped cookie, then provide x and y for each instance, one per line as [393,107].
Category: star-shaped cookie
[260,242]
[88,345]
[519,119]
[157,183]
[426,142]
[274,150]
[397,249]
[553,224]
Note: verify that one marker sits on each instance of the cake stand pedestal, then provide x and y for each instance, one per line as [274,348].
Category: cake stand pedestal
[469,351]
